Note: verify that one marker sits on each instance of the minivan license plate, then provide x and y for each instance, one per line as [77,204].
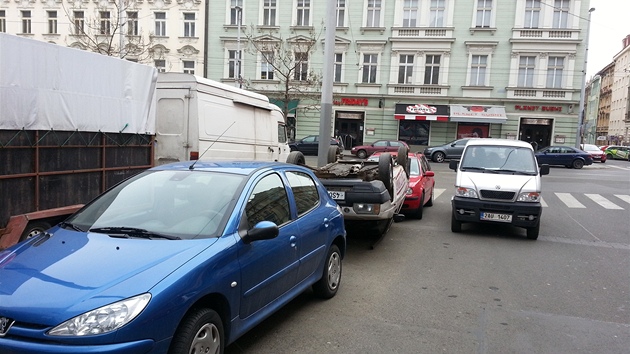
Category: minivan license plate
[496,217]
[337,195]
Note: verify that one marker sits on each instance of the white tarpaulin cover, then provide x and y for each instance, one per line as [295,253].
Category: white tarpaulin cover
[46,86]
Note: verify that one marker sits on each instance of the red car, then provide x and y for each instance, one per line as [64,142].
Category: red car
[363,151]
[597,154]
[421,184]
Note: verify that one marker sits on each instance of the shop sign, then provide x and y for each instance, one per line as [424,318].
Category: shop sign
[345,101]
[478,114]
[538,108]
[421,111]
[537,121]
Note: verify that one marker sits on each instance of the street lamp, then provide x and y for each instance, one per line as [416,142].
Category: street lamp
[578,136]
[239,14]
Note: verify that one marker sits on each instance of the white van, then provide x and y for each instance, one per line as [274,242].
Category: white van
[498,181]
[198,118]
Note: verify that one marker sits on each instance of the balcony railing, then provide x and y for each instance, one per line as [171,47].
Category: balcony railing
[545,33]
[422,32]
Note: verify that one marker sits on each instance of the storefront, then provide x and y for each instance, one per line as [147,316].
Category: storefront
[474,121]
[415,121]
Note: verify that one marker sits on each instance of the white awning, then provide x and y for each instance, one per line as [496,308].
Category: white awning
[478,114]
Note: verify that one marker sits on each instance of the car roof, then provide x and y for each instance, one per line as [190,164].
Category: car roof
[499,142]
[235,167]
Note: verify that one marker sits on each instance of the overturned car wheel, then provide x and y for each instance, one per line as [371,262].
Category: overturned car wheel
[386,172]
[296,158]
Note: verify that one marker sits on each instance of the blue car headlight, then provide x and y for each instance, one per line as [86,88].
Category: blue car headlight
[103,319]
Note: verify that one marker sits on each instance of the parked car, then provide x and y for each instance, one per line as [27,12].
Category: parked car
[421,183]
[563,155]
[618,152]
[181,258]
[450,150]
[309,145]
[363,151]
[597,154]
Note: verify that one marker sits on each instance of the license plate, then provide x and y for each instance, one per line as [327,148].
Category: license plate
[496,217]
[337,195]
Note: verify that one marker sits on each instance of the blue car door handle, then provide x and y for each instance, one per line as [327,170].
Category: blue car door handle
[293,241]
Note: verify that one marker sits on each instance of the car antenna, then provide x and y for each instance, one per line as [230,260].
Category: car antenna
[192,167]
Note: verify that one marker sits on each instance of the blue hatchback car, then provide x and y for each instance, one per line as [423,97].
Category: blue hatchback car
[182,258]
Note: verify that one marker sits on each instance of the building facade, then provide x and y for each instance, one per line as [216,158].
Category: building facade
[169,34]
[619,125]
[423,71]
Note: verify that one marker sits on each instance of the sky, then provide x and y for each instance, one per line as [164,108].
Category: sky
[610,23]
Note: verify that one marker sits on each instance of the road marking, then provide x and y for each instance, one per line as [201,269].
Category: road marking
[603,201]
[543,203]
[621,168]
[437,192]
[624,197]
[569,200]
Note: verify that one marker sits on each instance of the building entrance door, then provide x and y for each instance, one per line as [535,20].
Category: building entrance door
[349,128]
[536,131]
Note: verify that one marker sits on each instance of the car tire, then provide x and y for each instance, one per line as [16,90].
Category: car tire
[296,158]
[420,210]
[200,332]
[386,172]
[609,157]
[33,229]
[577,164]
[327,286]
[532,232]
[332,154]
[403,159]
[430,201]
[438,157]
[456,225]
[361,154]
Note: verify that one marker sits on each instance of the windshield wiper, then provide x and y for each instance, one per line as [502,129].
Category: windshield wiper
[515,172]
[131,232]
[478,169]
[66,225]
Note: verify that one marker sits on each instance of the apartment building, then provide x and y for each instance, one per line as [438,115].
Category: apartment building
[166,33]
[619,124]
[424,71]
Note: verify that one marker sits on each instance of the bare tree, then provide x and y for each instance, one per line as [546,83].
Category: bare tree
[285,62]
[111,29]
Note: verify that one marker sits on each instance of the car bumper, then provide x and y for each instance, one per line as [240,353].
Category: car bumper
[386,211]
[523,214]
[411,203]
[22,347]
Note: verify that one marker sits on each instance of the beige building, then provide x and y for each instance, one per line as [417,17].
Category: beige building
[620,106]
[603,115]
[165,33]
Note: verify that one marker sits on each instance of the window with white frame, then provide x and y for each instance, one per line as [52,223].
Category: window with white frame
[3,21]
[301,66]
[432,70]
[341,12]
[266,66]
[478,70]
[233,60]
[236,6]
[405,69]
[52,22]
[189,24]
[526,66]
[532,13]
[373,13]
[105,22]
[189,67]
[303,12]
[160,24]
[555,68]
[79,22]
[269,12]
[410,13]
[370,66]
[484,13]
[160,65]
[438,7]
[26,21]
[132,23]
[337,68]
[561,13]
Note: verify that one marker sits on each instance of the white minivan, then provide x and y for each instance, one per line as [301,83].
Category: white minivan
[498,181]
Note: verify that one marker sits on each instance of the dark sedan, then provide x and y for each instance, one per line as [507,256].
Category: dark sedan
[450,150]
[309,145]
[564,155]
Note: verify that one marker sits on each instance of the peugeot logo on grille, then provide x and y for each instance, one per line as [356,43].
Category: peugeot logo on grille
[5,324]
[497,187]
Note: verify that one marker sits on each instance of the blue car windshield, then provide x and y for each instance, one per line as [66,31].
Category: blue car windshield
[499,159]
[181,204]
